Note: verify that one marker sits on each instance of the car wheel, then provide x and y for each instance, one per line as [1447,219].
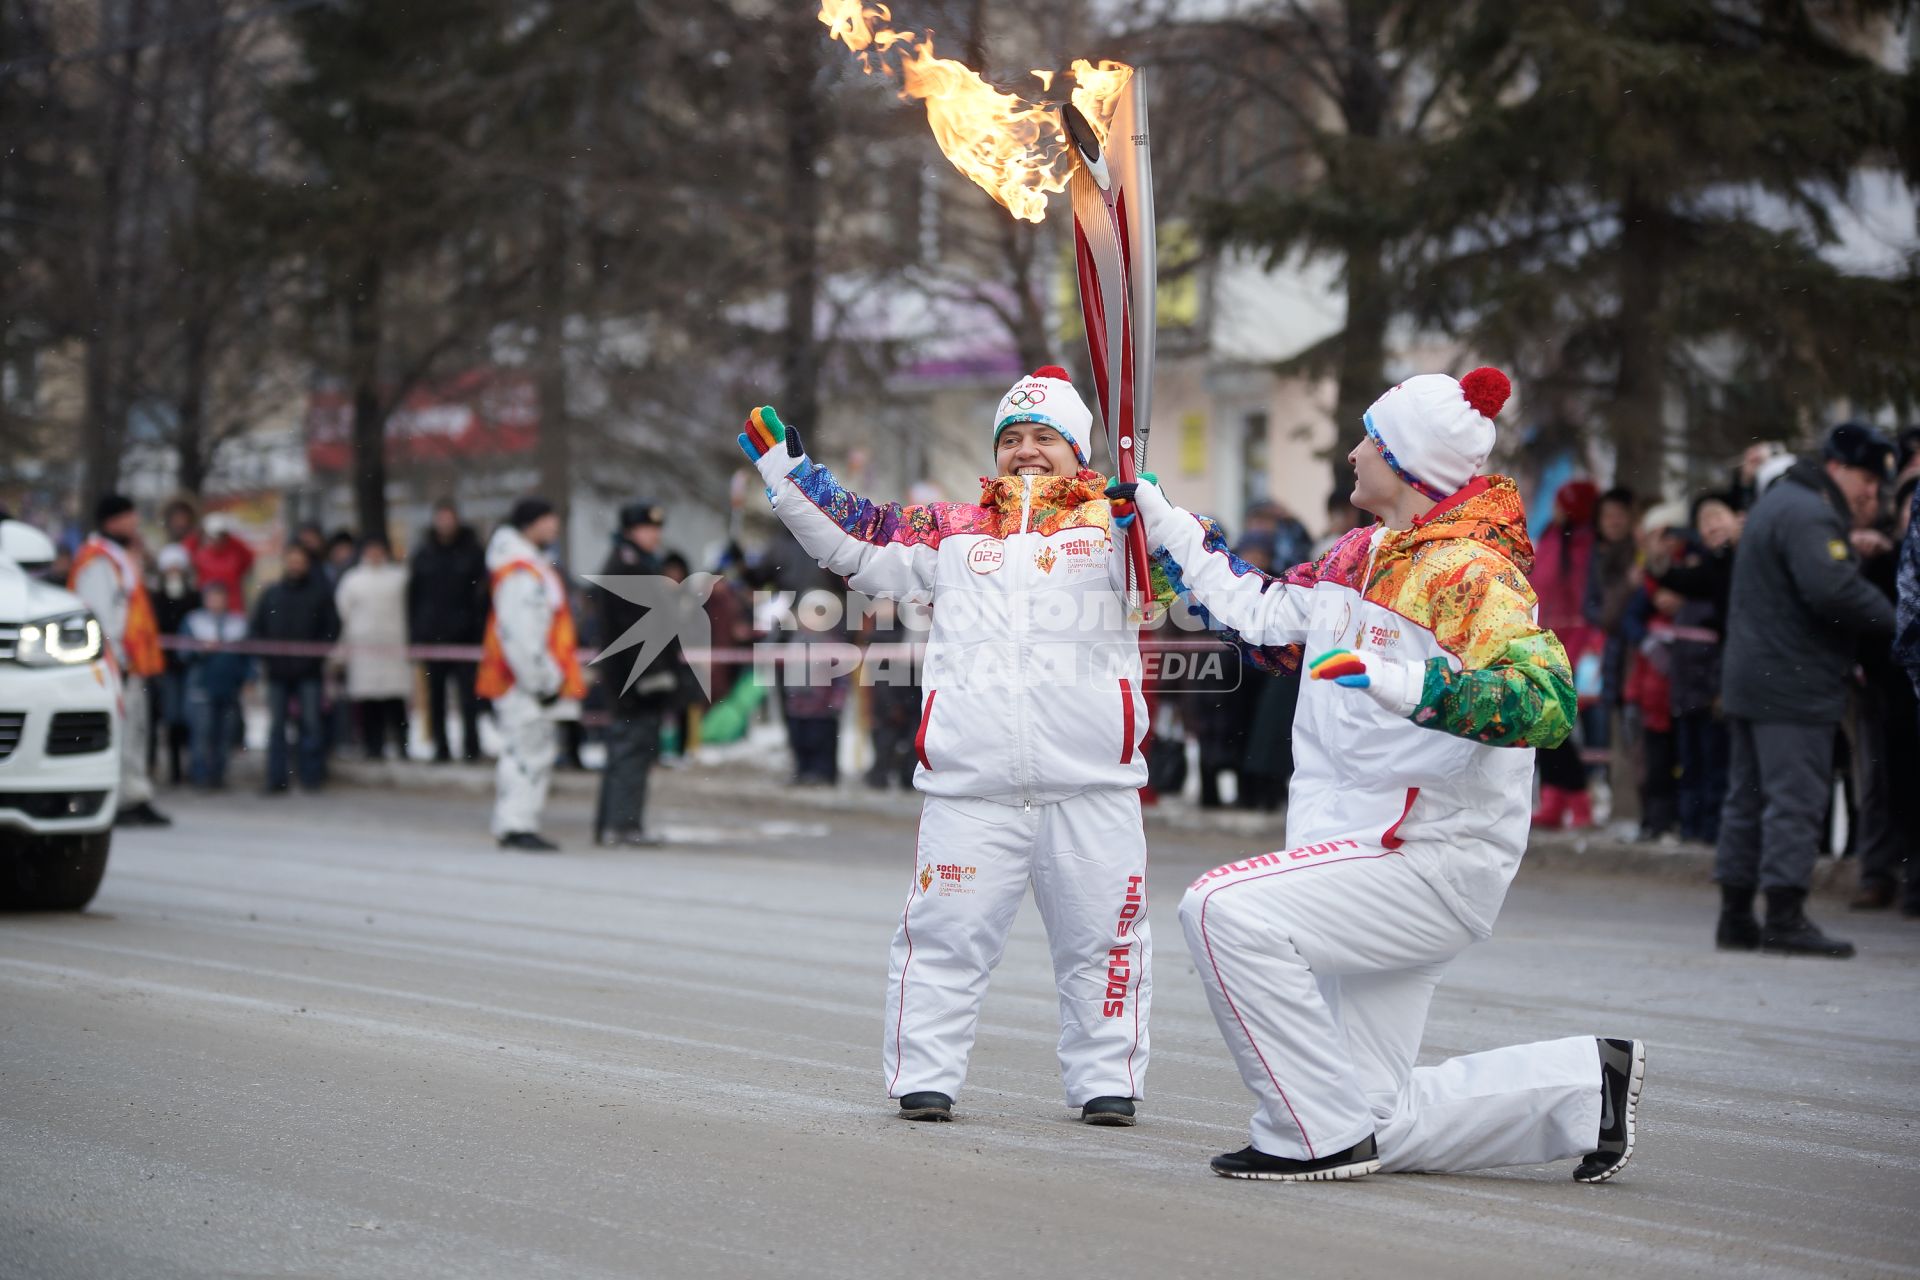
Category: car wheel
[53,873]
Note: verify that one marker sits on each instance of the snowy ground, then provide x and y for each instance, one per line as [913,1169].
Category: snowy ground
[343,1036]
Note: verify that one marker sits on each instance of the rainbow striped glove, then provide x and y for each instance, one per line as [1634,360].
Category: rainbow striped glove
[764,432]
[1392,682]
[1120,494]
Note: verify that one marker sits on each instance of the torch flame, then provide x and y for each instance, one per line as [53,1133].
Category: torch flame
[1015,149]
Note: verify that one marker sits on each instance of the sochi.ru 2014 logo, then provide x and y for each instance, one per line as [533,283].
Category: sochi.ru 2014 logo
[926,876]
[1044,561]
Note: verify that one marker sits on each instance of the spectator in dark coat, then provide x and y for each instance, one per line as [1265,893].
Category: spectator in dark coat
[1799,612]
[447,594]
[1702,578]
[1886,742]
[298,608]
[641,699]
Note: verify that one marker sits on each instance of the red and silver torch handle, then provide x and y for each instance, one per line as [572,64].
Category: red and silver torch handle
[1113,237]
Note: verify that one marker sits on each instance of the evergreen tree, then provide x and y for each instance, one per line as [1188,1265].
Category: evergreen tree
[1668,176]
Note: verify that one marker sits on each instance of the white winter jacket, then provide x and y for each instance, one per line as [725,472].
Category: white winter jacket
[523,608]
[372,603]
[1031,684]
[1448,783]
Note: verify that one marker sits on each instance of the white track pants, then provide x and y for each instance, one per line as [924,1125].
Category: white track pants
[1086,858]
[136,784]
[1320,963]
[528,745]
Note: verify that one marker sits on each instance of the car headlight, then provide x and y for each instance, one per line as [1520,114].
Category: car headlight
[65,641]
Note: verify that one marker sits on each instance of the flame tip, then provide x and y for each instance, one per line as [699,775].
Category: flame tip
[1014,149]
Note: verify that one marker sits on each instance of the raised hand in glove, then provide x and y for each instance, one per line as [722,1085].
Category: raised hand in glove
[1394,683]
[765,432]
[1120,494]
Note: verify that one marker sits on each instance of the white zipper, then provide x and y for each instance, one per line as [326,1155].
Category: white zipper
[1020,658]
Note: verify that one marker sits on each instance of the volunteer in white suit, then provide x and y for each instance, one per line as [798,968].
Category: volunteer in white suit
[1409,813]
[530,668]
[1029,744]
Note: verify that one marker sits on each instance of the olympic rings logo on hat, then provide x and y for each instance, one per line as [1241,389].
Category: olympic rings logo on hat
[1026,397]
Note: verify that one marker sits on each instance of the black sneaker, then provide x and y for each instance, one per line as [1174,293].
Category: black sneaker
[1356,1161]
[1623,1070]
[1788,932]
[141,815]
[1109,1111]
[926,1106]
[527,842]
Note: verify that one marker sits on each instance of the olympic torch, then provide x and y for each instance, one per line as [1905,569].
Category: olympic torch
[1113,239]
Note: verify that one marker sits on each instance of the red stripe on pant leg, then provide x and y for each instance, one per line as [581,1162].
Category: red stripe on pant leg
[920,737]
[900,1014]
[1221,979]
[1139,976]
[1126,722]
[1390,838]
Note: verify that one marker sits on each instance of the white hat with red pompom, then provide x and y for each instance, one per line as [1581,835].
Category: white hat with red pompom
[1047,396]
[1437,433]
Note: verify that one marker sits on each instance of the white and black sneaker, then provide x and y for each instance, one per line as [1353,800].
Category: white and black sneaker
[1623,1070]
[1356,1161]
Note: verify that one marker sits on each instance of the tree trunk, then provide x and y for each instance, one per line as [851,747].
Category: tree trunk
[104,420]
[1636,418]
[1022,242]
[369,419]
[190,436]
[800,239]
[193,452]
[1362,367]
[550,360]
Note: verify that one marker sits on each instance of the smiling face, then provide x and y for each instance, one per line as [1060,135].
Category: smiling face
[1033,449]
[1376,489]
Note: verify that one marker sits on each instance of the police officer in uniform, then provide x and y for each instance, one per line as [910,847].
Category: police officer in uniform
[1798,614]
[633,736]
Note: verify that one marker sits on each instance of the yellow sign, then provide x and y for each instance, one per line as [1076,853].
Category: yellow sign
[1193,443]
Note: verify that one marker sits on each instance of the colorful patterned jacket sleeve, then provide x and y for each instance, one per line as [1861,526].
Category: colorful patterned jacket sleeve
[1264,615]
[882,549]
[1514,687]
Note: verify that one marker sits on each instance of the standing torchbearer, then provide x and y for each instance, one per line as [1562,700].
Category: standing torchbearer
[1411,798]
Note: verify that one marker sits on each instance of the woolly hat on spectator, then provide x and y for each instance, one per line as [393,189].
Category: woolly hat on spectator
[1436,433]
[111,505]
[528,510]
[1048,397]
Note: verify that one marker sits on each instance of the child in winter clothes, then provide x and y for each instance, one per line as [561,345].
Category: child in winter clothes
[1029,743]
[214,682]
[1414,746]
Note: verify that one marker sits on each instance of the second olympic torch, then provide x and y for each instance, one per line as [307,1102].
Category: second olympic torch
[1113,239]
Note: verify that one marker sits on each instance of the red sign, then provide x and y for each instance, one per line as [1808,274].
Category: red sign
[479,413]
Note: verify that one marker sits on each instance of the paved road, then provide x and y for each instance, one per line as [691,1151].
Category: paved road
[343,1037]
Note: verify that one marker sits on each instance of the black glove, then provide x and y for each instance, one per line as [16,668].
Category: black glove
[1122,490]
[795,449]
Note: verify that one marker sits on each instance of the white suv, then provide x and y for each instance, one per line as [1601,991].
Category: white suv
[59,734]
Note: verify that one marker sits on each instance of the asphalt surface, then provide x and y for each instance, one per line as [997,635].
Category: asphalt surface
[342,1036]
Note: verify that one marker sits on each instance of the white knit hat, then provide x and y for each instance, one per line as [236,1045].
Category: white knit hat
[1436,433]
[1047,396]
